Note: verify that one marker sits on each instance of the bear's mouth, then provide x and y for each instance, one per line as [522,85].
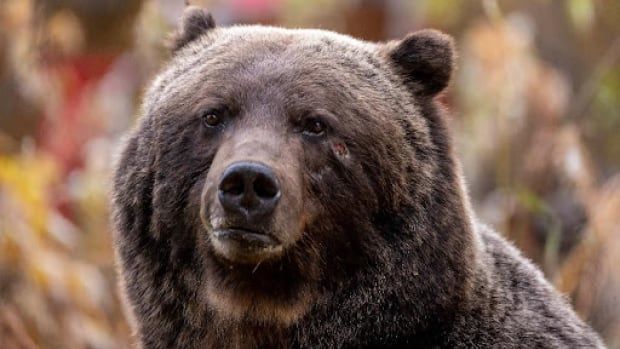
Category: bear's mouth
[250,238]
[243,245]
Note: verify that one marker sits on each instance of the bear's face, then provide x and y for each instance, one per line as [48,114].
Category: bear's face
[278,154]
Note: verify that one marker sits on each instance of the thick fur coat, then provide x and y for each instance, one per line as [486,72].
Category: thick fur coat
[380,247]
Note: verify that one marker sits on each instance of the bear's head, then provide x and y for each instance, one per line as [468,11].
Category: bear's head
[273,169]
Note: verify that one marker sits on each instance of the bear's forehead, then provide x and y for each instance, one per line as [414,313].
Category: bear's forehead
[247,59]
[241,47]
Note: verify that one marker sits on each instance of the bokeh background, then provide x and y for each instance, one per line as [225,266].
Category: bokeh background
[534,105]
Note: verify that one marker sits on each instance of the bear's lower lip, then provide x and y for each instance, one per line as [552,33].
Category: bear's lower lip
[244,246]
[249,237]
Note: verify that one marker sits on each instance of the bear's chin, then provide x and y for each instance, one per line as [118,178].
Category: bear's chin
[276,291]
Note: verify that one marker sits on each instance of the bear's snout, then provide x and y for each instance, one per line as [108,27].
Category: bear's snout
[252,201]
[250,192]
[249,189]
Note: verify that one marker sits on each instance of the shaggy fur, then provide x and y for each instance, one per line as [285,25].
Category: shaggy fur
[388,253]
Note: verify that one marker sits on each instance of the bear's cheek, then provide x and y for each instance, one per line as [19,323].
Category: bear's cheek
[323,189]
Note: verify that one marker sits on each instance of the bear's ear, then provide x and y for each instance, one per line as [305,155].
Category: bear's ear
[195,22]
[425,60]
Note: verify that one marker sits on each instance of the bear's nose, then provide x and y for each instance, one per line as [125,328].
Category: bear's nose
[249,188]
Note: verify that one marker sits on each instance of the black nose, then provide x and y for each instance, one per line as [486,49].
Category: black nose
[250,189]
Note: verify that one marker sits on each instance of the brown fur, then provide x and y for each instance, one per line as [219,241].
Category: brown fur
[380,247]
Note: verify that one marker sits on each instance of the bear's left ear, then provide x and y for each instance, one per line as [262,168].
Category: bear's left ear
[195,22]
[425,60]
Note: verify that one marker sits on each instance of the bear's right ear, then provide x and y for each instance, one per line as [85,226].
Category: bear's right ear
[425,60]
[195,22]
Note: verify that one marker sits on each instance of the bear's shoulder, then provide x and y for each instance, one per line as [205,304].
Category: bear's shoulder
[515,306]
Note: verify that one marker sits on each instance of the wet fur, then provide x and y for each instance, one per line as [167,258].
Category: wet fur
[391,256]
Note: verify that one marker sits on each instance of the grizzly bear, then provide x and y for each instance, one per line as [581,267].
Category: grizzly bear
[297,189]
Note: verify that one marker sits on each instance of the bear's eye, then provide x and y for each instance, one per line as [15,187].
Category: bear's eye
[314,127]
[211,119]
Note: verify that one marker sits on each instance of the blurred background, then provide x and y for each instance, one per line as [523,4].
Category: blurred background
[534,105]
